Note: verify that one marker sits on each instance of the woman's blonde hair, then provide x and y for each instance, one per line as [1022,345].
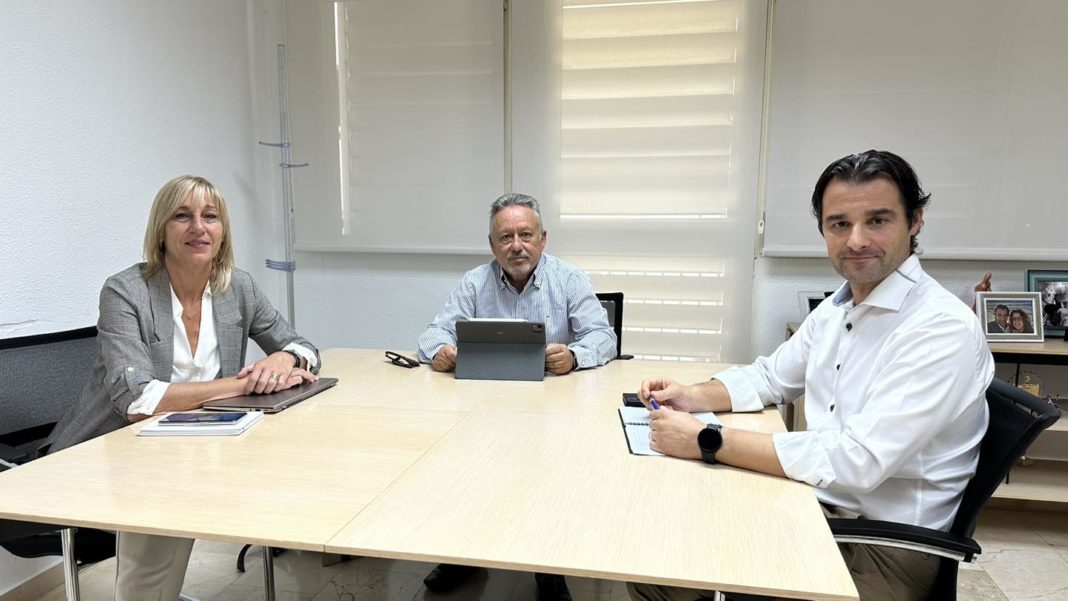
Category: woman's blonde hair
[169,199]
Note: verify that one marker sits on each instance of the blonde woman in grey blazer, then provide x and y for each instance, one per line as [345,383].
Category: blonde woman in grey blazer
[172,336]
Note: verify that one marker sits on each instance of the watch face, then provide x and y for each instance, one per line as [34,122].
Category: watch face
[710,440]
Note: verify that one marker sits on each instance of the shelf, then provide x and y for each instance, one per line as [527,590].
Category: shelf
[1043,481]
[1060,425]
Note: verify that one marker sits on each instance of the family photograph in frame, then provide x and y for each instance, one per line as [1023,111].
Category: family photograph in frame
[1052,285]
[1010,316]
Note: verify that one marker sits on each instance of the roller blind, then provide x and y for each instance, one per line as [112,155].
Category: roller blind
[653,161]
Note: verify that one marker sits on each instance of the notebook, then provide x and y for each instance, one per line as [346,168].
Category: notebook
[274,402]
[500,349]
[635,422]
[159,428]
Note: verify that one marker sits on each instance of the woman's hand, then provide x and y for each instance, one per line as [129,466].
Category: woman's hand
[273,373]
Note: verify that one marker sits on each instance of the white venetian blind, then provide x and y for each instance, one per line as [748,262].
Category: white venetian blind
[411,133]
[655,146]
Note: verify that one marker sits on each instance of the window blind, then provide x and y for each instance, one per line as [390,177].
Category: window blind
[654,157]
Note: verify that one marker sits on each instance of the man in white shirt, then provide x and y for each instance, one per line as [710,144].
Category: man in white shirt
[894,371]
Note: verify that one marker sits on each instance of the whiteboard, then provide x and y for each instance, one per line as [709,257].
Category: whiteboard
[972,93]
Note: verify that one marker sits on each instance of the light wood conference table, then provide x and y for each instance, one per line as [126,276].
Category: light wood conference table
[413,464]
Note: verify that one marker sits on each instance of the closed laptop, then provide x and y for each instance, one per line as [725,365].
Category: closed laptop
[275,401]
[500,350]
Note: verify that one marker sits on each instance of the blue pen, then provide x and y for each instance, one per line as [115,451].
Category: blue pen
[656,405]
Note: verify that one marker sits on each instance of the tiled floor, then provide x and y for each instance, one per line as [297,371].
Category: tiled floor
[1025,556]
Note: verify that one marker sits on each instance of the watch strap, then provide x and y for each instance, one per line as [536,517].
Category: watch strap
[296,356]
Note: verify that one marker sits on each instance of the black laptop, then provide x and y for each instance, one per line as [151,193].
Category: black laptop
[491,349]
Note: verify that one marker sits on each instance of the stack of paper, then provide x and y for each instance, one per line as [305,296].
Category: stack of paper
[211,428]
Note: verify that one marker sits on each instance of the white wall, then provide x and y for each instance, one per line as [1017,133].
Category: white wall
[101,103]
[374,300]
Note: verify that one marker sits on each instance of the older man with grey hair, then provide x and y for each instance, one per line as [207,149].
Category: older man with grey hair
[523,282]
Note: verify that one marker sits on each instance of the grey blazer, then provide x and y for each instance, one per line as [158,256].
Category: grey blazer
[136,345]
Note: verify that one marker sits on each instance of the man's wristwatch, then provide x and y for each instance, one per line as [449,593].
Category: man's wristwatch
[710,439]
[574,360]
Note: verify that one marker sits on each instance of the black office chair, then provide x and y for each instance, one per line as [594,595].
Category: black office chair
[613,305]
[42,376]
[1016,419]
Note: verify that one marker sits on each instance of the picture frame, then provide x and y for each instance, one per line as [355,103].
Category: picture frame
[1002,312]
[807,301]
[1052,285]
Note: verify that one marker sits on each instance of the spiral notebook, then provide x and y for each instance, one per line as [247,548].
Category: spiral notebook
[635,422]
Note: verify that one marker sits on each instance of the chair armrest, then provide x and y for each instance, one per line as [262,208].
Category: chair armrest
[8,454]
[904,536]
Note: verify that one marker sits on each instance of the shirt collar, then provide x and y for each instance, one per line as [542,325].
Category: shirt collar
[891,292]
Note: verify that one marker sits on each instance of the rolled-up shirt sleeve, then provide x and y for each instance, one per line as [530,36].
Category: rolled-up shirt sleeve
[773,380]
[150,397]
[127,362]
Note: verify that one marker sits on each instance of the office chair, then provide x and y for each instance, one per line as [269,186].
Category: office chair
[42,375]
[1016,419]
[613,305]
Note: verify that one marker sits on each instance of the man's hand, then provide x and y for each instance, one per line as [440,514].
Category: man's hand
[558,359]
[667,392]
[983,286]
[674,433]
[445,359]
[703,396]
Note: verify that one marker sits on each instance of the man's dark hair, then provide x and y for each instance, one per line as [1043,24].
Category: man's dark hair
[865,167]
[1000,307]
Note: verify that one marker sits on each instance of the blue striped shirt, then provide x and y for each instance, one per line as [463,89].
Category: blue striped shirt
[558,295]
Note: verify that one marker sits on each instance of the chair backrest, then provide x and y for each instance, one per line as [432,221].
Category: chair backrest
[41,377]
[1016,419]
[613,305]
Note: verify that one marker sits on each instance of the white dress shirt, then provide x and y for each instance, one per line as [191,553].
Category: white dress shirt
[558,295]
[202,366]
[894,399]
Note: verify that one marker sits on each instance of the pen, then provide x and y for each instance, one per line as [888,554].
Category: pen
[656,405]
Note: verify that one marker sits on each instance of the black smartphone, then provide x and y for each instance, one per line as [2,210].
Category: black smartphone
[201,418]
[630,399]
